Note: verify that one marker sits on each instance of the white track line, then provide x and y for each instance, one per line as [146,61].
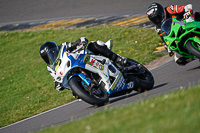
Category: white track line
[161,64]
[39,114]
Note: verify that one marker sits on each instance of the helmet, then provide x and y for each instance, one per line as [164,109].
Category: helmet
[49,52]
[156,13]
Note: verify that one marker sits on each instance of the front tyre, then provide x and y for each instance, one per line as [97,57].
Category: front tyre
[193,48]
[95,96]
[142,76]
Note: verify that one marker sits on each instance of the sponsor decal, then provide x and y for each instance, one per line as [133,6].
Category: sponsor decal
[86,59]
[101,67]
[105,75]
[61,73]
[131,67]
[92,62]
[97,63]
[119,83]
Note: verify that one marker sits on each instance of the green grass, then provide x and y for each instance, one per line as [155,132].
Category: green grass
[177,112]
[26,88]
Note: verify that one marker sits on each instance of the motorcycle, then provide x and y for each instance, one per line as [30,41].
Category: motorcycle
[183,36]
[95,79]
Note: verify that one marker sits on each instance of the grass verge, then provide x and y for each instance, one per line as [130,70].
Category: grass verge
[26,88]
[177,112]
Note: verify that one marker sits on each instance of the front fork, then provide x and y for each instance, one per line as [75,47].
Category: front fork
[89,84]
[83,76]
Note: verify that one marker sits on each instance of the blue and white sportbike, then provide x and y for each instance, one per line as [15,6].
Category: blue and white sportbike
[95,78]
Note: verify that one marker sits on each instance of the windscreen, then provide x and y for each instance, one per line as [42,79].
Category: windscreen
[166,26]
[53,54]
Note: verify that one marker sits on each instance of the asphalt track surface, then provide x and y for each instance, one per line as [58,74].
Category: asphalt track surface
[168,76]
[15,11]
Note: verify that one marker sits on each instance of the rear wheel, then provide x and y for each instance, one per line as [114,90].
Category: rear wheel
[193,48]
[95,95]
[142,76]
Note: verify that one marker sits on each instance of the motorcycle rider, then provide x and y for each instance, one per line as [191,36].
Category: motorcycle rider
[157,14]
[49,52]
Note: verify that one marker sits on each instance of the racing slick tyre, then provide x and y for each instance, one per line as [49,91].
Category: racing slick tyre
[143,78]
[193,48]
[96,95]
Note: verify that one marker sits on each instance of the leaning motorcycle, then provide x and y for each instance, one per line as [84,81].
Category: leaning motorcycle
[183,36]
[95,78]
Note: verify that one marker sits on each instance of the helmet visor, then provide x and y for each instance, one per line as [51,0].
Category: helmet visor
[159,16]
[53,54]
[158,19]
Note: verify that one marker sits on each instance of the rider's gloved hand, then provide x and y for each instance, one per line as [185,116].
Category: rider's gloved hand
[83,42]
[187,15]
[59,87]
[188,11]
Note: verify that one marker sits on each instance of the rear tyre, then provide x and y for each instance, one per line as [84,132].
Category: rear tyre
[143,78]
[193,48]
[95,96]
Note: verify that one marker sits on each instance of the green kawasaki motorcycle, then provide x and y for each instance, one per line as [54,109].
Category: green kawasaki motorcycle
[183,37]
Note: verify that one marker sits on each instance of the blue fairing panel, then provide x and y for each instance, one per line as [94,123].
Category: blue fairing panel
[79,62]
[63,50]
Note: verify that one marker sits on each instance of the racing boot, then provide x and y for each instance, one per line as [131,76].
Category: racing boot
[101,48]
[182,61]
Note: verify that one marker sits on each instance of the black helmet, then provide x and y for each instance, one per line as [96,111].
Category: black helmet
[49,52]
[156,13]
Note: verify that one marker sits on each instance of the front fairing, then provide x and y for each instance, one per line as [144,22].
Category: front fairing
[171,28]
[92,63]
[178,35]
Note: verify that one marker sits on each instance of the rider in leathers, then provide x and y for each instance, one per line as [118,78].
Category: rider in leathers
[97,48]
[157,14]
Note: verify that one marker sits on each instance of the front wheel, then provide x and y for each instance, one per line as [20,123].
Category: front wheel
[193,48]
[141,75]
[93,95]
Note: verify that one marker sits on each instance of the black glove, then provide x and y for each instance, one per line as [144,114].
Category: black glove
[78,44]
